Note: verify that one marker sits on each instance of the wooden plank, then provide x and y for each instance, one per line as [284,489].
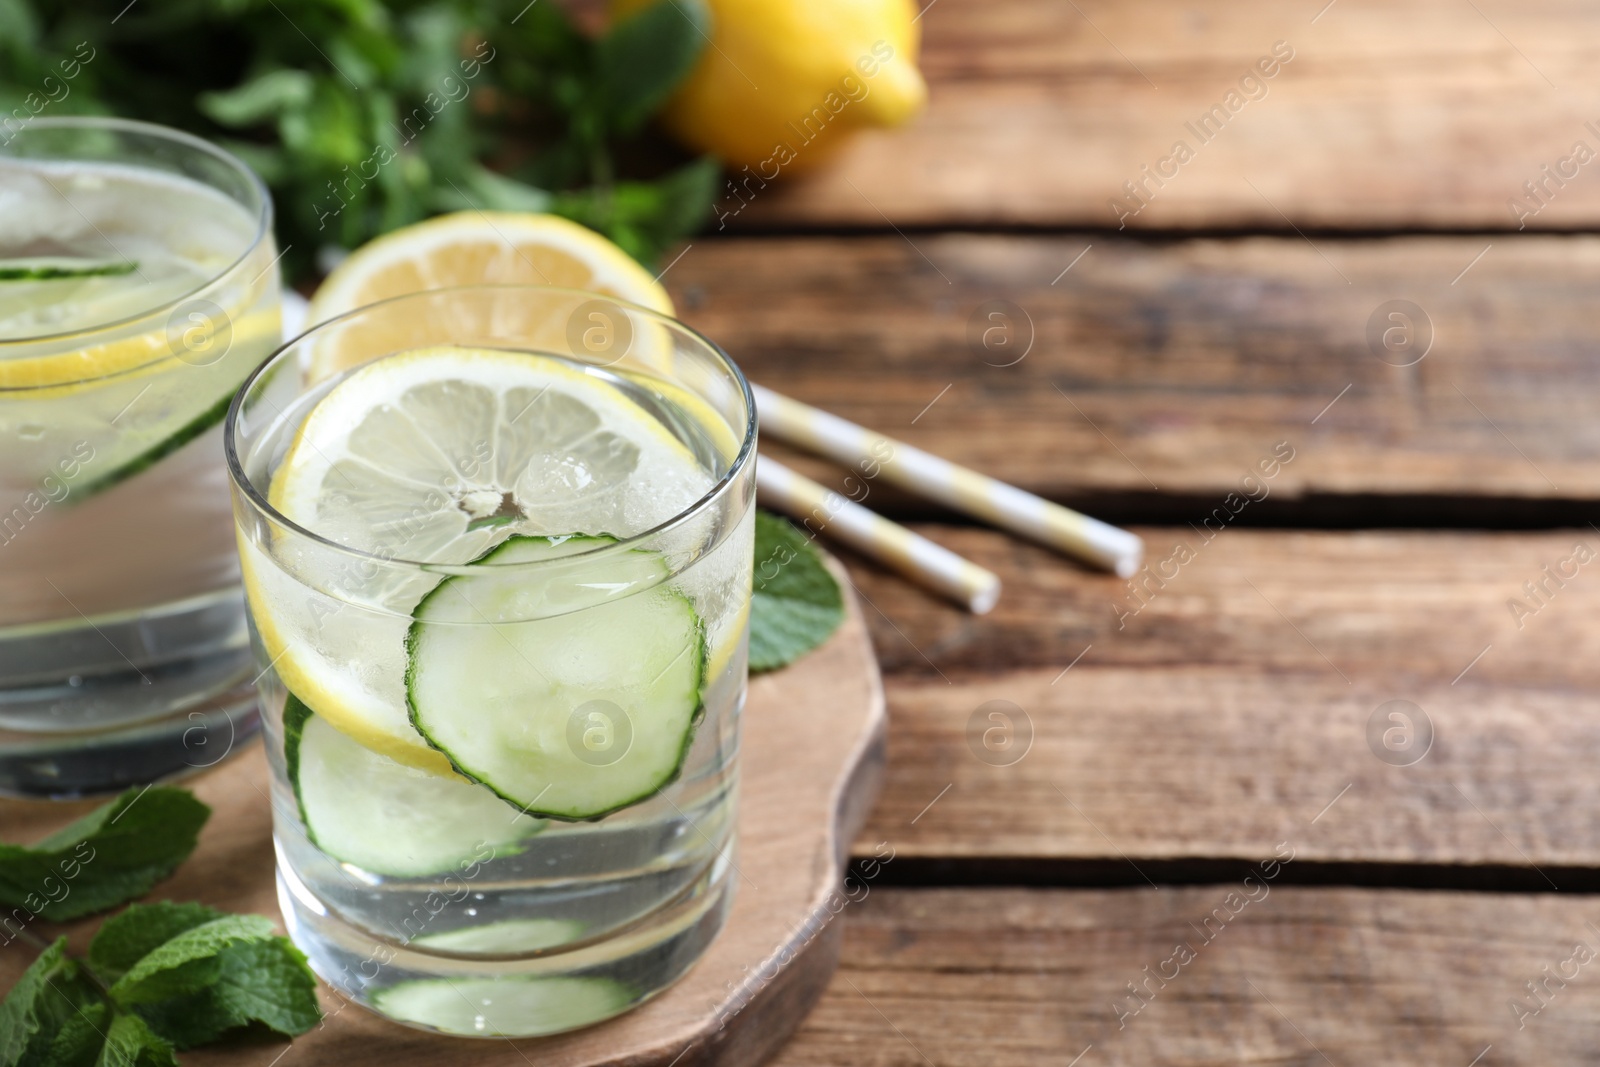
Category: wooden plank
[1367,605]
[1174,368]
[1299,976]
[1210,763]
[1223,710]
[1388,115]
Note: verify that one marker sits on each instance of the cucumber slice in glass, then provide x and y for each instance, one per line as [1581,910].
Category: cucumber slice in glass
[148,457]
[509,937]
[571,715]
[503,1007]
[367,810]
[52,268]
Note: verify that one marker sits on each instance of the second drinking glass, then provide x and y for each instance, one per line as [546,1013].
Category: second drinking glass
[138,287]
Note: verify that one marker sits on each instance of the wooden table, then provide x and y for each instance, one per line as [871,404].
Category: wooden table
[1233,711]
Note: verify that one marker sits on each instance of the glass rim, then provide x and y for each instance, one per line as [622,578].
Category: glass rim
[264,215]
[259,502]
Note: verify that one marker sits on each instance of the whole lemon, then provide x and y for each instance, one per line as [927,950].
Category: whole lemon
[782,81]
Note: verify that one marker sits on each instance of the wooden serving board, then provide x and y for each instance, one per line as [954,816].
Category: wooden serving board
[811,762]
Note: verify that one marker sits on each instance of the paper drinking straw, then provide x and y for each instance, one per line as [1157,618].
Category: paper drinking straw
[927,475]
[823,510]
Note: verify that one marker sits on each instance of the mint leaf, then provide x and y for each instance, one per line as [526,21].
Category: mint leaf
[265,982]
[48,994]
[127,938]
[194,973]
[264,97]
[481,189]
[113,854]
[653,216]
[130,1043]
[796,603]
[80,1038]
[188,962]
[647,218]
[643,57]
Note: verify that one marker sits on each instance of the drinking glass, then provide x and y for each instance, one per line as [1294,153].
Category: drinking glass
[138,287]
[405,875]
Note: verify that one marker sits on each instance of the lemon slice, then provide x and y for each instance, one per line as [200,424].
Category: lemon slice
[437,455]
[724,630]
[426,455]
[87,364]
[478,248]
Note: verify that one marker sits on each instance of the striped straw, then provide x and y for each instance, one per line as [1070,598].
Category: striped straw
[966,490]
[914,556]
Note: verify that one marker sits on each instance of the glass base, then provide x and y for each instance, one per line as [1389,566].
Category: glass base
[96,706]
[68,766]
[473,993]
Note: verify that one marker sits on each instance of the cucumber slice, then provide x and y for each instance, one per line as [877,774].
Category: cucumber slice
[509,937]
[50,268]
[503,1007]
[569,716]
[365,809]
[149,457]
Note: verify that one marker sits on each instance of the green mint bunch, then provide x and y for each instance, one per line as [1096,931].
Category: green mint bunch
[158,977]
[365,115]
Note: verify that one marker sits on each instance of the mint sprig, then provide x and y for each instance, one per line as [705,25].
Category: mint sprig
[112,855]
[796,604]
[158,977]
[362,116]
[261,982]
[193,973]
